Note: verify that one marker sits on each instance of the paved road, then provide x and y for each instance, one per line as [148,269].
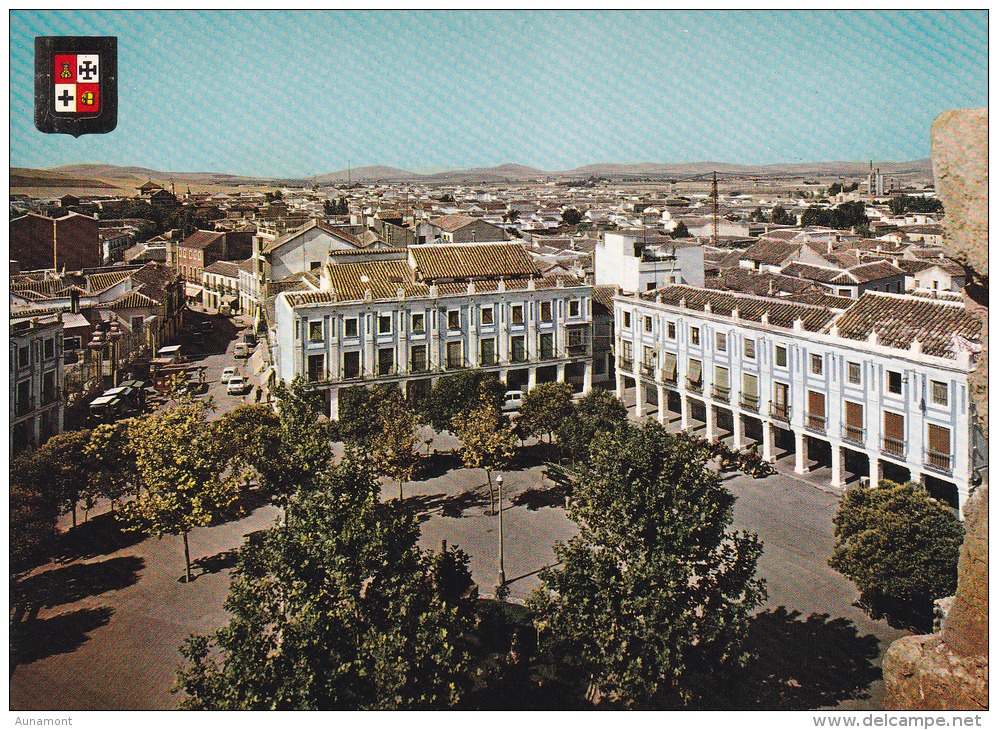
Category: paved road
[107,635]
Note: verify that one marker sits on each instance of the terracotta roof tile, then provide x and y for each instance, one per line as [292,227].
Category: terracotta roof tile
[471,261]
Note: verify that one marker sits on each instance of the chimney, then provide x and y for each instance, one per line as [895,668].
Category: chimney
[74,301]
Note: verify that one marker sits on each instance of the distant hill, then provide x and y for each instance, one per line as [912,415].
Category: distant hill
[113,179]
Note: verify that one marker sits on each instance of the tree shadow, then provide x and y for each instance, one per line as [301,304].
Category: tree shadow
[100,535]
[537,454]
[535,498]
[917,616]
[250,499]
[216,563]
[423,505]
[798,665]
[78,581]
[36,639]
[437,464]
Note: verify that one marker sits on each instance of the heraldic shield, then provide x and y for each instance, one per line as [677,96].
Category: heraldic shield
[76,84]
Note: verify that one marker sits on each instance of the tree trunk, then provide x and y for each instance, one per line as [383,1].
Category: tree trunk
[492,501]
[187,557]
[400,490]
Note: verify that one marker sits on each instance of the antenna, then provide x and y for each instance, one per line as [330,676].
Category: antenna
[713,196]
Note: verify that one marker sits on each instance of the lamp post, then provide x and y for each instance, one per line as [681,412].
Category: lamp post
[114,337]
[97,347]
[502,570]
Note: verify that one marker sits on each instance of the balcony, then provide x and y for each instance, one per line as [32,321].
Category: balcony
[578,350]
[893,447]
[815,422]
[418,366]
[648,368]
[854,435]
[626,364]
[939,461]
[456,364]
[780,412]
[719,392]
[23,408]
[694,386]
[488,360]
[749,402]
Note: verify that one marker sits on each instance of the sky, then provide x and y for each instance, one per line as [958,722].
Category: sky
[303,93]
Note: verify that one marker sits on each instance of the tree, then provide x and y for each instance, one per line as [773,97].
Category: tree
[596,413]
[360,412]
[177,465]
[393,446]
[571,216]
[487,440]
[896,541]
[681,231]
[455,395]
[757,215]
[841,217]
[511,216]
[546,407]
[112,464]
[65,467]
[781,217]
[33,515]
[247,440]
[655,591]
[340,610]
[303,444]
[901,204]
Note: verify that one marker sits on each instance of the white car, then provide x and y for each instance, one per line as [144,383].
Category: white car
[512,401]
[227,374]
[237,385]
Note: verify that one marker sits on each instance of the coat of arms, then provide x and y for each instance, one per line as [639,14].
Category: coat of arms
[76,84]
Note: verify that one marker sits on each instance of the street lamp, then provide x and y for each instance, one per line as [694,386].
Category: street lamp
[114,337]
[502,570]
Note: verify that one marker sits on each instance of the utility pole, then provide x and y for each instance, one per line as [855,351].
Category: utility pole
[713,196]
[502,569]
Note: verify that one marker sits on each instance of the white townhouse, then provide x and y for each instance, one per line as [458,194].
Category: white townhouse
[877,389]
[408,316]
[36,380]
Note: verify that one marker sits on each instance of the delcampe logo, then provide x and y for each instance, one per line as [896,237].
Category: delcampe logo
[76,84]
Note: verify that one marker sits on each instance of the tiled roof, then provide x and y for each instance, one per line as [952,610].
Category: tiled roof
[309,225]
[101,282]
[223,268]
[603,300]
[201,239]
[898,320]
[750,308]
[760,283]
[133,300]
[471,261]
[814,273]
[872,272]
[451,223]
[770,251]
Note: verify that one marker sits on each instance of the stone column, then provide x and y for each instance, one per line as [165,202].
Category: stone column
[561,372]
[639,398]
[736,437]
[532,377]
[620,384]
[800,455]
[661,403]
[684,412]
[838,458]
[709,415]
[334,403]
[767,441]
[587,377]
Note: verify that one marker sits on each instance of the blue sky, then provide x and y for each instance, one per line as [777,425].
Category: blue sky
[301,93]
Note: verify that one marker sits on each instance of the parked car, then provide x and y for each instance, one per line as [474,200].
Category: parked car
[227,374]
[512,401]
[237,385]
[242,350]
[205,326]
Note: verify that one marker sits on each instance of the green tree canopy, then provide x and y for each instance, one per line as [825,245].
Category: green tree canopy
[339,610]
[487,440]
[781,217]
[681,231]
[112,468]
[66,467]
[455,395]
[571,216]
[545,408]
[248,441]
[842,216]
[597,412]
[896,541]
[393,447]
[655,590]
[33,513]
[901,204]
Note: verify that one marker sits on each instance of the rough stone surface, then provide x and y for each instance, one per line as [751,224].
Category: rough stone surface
[922,673]
[949,670]
[960,167]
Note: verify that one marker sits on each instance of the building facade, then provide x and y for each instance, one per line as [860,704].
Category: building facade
[36,377]
[875,390]
[411,316]
[644,261]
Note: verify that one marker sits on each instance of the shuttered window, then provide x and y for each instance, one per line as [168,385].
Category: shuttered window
[939,439]
[816,403]
[695,374]
[670,366]
[750,385]
[854,414]
[720,376]
[893,425]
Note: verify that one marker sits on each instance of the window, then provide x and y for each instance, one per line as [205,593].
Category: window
[455,355]
[136,322]
[781,356]
[750,349]
[23,403]
[577,344]
[574,308]
[854,373]
[893,382]
[721,340]
[417,358]
[545,311]
[845,293]
[454,319]
[487,316]
[384,324]
[517,314]
[547,346]
[694,335]
[418,324]
[627,320]
[627,354]
[316,367]
[71,343]
[48,348]
[670,367]
[817,364]
[488,351]
[48,388]
[350,327]
[722,387]
[315,331]
[940,393]
[648,323]
[386,360]
[670,330]
[23,356]
[518,348]
[650,286]
[313,265]
[351,364]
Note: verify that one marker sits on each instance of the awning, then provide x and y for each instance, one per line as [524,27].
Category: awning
[694,374]
[670,366]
